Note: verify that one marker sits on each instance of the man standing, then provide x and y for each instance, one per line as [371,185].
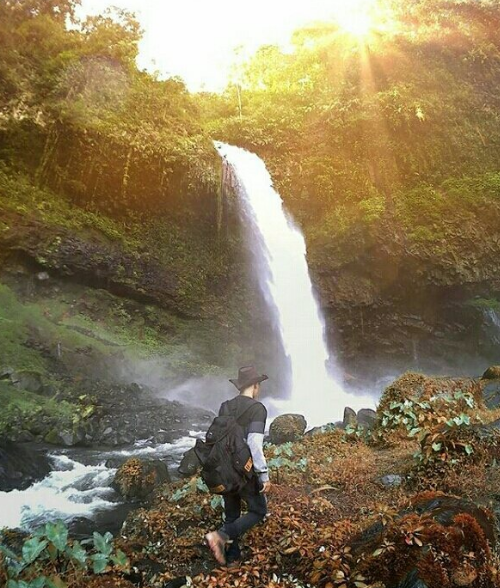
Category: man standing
[224,542]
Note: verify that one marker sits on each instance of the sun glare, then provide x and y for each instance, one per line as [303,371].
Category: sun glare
[356,17]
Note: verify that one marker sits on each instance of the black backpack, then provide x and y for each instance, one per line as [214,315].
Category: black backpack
[225,457]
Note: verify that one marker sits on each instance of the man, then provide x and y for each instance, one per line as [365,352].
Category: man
[224,542]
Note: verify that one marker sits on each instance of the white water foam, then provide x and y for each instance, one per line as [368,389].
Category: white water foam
[75,490]
[283,275]
[72,490]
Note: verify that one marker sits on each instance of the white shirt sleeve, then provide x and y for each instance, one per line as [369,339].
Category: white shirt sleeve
[256,443]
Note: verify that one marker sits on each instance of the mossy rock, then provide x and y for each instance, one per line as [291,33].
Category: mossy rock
[286,428]
[137,478]
[418,388]
[492,373]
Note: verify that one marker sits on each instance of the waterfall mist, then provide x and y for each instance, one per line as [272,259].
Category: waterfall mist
[282,274]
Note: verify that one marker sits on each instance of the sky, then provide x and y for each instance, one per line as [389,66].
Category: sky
[196,38]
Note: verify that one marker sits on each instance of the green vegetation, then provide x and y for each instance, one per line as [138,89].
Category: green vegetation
[80,117]
[391,138]
[49,559]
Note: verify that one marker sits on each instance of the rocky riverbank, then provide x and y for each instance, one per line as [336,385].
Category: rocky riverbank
[404,498]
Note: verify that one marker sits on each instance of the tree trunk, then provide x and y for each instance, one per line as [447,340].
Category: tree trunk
[48,154]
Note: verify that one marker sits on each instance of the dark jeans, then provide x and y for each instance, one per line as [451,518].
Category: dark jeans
[235,524]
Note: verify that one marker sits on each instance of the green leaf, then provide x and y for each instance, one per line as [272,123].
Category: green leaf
[56,582]
[103,543]
[57,534]
[38,582]
[469,450]
[32,549]
[201,486]
[99,563]
[8,553]
[78,553]
[121,560]
[437,446]
[414,432]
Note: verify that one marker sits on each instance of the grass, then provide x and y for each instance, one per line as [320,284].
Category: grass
[26,406]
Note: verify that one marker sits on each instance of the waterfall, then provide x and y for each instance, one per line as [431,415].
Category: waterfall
[279,252]
[493,318]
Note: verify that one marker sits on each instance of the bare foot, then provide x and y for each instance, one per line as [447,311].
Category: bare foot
[216,543]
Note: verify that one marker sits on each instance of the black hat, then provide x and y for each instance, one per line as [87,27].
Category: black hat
[248,376]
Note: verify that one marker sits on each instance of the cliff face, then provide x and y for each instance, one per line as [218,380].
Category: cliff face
[386,296]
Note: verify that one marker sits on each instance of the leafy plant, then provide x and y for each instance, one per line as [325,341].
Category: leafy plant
[48,557]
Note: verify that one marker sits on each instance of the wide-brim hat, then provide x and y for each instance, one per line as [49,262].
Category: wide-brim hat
[248,376]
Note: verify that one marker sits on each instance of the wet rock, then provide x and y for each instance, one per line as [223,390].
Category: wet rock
[366,418]
[492,373]
[137,478]
[190,464]
[391,481]
[350,419]
[20,466]
[286,428]
[491,394]
[113,463]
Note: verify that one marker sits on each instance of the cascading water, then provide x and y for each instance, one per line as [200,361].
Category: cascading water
[283,275]
[76,490]
[493,318]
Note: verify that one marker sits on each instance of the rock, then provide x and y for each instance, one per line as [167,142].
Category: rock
[287,427]
[350,419]
[42,276]
[486,432]
[391,481]
[20,467]
[28,380]
[66,437]
[113,463]
[491,394]
[324,429]
[366,418]
[190,464]
[6,372]
[492,373]
[137,478]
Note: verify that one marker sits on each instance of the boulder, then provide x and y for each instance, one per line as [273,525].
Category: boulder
[20,467]
[492,373]
[190,464]
[28,380]
[350,419]
[491,394]
[137,478]
[287,427]
[366,418]
[66,437]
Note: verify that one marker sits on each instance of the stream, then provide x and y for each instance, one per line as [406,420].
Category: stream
[78,489]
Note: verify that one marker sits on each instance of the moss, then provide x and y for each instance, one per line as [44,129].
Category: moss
[22,410]
[485,304]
